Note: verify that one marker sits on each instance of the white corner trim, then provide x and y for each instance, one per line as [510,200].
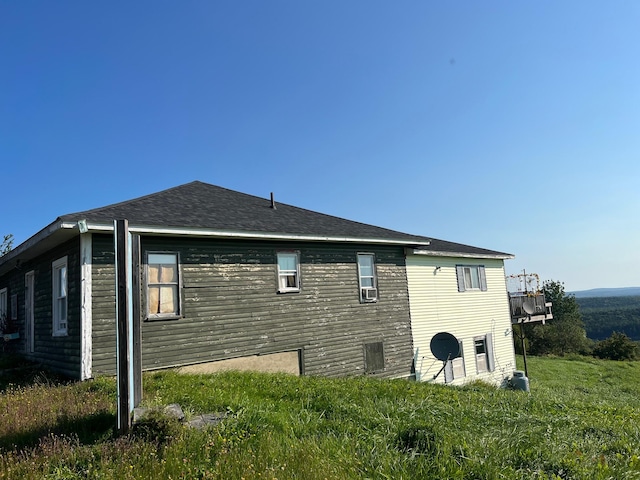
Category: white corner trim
[86,319]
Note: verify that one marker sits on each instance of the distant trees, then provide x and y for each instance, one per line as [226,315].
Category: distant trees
[6,245]
[604,315]
[564,334]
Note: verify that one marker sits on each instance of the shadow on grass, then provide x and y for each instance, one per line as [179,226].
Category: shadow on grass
[87,430]
[17,372]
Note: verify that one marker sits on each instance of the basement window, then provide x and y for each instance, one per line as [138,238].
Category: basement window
[163,282]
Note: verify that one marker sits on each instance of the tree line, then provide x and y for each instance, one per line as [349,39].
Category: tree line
[604,315]
[567,334]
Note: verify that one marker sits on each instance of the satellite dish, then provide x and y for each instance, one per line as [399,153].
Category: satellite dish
[445,346]
[529,306]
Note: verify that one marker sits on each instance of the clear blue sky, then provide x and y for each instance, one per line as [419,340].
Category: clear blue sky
[509,125]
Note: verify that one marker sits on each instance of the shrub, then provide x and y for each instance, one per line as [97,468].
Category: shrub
[617,347]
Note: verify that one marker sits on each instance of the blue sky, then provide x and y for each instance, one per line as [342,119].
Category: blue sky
[508,125]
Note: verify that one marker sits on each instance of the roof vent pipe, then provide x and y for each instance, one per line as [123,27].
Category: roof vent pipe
[273,202]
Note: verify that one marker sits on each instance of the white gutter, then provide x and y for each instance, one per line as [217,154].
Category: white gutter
[430,253]
[205,232]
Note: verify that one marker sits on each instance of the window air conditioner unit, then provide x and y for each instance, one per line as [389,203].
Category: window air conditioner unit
[370,294]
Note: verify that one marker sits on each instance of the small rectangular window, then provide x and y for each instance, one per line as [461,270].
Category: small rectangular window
[484,353]
[59,295]
[163,292]
[481,354]
[288,272]
[367,278]
[471,277]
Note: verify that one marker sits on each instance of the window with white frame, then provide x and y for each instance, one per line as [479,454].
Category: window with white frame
[163,285]
[484,353]
[367,277]
[471,277]
[3,309]
[288,272]
[59,295]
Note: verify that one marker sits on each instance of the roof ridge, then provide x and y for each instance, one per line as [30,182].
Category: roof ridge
[136,199]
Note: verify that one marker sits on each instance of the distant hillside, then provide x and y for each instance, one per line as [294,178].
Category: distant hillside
[607,292]
[604,315]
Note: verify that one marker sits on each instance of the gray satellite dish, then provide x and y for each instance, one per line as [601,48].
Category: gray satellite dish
[445,346]
[529,306]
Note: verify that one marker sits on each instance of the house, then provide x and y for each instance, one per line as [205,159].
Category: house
[222,278]
[460,290]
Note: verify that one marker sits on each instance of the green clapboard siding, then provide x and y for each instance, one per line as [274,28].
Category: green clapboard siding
[230,307]
[61,354]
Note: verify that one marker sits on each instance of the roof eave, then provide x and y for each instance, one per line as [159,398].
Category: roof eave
[36,244]
[431,253]
[102,227]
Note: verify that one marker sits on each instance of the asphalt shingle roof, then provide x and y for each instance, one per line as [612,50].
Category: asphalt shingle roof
[205,206]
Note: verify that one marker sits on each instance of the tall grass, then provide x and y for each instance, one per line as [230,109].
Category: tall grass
[579,421]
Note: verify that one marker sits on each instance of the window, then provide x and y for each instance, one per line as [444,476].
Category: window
[59,271]
[373,357]
[288,272]
[367,278]
[163,293]
[484,353]
[3,309]
[471,277]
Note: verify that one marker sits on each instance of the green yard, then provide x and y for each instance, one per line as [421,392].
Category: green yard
[581,420]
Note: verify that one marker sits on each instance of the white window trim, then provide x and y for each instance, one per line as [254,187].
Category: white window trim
[163,316]
[281,273]
[372,295]
[57,329]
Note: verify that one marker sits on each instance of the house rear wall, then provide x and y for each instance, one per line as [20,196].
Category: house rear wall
[231,308]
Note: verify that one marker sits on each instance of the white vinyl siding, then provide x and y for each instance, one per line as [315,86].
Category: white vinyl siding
[437,306]
[59,296]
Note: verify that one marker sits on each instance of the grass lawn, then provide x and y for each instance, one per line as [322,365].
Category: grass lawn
[581,420]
